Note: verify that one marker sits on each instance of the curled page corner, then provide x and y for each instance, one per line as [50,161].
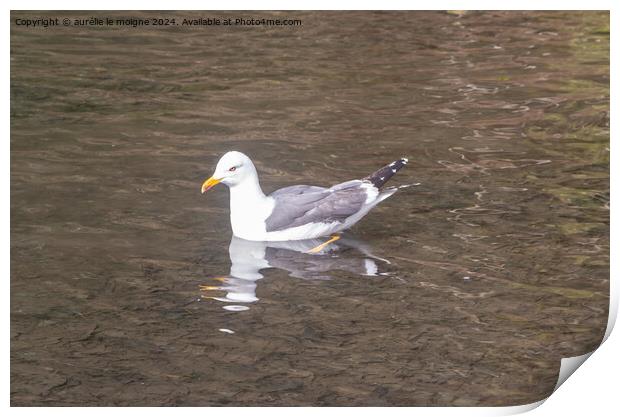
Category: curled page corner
[568,366]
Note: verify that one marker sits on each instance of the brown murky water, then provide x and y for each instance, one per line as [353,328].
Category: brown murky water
[464,290]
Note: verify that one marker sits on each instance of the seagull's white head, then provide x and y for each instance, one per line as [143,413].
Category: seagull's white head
[232,169]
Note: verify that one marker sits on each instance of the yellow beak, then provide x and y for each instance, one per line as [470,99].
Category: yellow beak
[208,184]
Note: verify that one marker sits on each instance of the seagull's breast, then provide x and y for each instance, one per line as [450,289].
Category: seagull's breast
[248,214]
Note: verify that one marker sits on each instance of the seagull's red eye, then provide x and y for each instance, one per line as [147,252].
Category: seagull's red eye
[232,169]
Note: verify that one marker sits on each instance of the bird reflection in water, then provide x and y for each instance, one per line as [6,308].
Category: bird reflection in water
[299,258]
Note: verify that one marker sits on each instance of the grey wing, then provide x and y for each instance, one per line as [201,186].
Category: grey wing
[321,206]
[297,189]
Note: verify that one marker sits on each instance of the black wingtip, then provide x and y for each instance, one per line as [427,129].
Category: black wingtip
[381,176]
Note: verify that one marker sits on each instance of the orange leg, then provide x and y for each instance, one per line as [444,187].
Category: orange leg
[323,245]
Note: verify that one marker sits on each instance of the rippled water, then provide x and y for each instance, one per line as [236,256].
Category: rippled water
[126,288]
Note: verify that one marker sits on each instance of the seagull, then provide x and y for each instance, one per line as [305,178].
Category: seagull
[300,211]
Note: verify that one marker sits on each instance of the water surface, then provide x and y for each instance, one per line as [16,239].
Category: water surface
[128,289]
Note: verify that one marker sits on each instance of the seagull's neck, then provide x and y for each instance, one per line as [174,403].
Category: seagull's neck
[249,207]
[246,192]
